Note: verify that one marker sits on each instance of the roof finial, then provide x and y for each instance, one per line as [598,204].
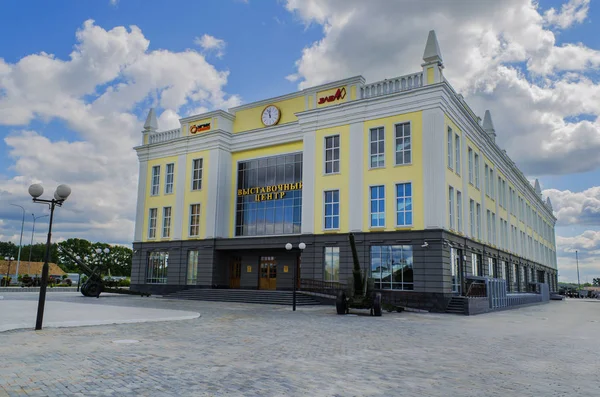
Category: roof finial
[488,125]
[151,124]
[537,188]
[548,202]
[432,49]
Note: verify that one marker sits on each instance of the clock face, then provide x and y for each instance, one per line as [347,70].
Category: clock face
[270,116]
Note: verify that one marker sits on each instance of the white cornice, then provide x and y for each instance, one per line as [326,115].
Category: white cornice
[214,113]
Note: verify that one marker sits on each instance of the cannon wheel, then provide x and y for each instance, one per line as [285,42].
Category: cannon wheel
[93,289]
[340,303]
[377,305]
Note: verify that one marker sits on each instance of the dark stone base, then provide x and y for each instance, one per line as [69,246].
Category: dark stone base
[429,301]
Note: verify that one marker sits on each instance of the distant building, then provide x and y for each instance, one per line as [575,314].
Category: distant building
[403,163]
[32,269]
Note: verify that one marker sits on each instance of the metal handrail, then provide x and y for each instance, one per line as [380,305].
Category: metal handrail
[321,287]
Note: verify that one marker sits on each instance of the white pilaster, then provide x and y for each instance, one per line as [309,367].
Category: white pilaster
[141,201]
[224,194]
[355,183]
[434,169]
[180,189]
[308,183]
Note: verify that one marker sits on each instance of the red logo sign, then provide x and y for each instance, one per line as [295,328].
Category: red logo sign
[199,128]
[339,94]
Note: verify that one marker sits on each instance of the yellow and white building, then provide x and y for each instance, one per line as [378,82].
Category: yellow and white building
[402,163]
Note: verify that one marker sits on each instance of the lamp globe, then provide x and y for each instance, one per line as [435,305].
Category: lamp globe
[63,191]
[288,246]
[36,190]
[301,246]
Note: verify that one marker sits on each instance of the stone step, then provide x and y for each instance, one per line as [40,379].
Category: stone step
[243,296]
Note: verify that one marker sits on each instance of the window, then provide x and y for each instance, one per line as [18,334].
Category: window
[194,220]
[169,177]
[156,272]
[474,264]
[500,195]
[458,211]
[377,147]
[404,210]
[493,228]
[166,222]
[152,223]
[392,267]
[332,209]
[450,138]
[478,213]
[492,189]
[155,180]
[403,145]
[192,267]
[457,156]
[490,268]
[470,159]
[377,206]
[486,175]
[332,154]
[472,217]
[332,264]
[451,206]
[489,226]
[197,165]
[476,170]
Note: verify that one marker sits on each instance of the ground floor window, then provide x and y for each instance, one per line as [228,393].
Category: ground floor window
[158,263]
[392,267]
[192,267]
[332,264]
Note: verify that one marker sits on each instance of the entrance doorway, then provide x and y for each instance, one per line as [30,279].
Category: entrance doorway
[268,273]
[235,272]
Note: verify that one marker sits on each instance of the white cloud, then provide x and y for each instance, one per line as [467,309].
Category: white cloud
[576,208]
[587,246]
[211,44]
[499,54]
[574,11]
[109,75]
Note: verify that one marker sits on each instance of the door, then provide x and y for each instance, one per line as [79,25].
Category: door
[268,273]
[235,272]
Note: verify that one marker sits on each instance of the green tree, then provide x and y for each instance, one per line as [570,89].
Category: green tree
[79,247]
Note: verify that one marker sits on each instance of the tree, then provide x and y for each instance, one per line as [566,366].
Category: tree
[79,247]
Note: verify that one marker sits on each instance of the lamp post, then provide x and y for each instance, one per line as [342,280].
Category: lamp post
[289,247]
[60,195]
[20,240]
[578,283]
[9,259]
[31,245]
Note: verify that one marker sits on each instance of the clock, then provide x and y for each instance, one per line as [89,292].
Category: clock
[270,115]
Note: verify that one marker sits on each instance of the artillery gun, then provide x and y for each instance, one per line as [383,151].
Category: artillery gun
[360,293]
[95,284]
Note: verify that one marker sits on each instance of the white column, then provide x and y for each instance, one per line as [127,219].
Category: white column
[356,175]
[217,207]
[434,170]
[308,183]
[141,202]
[181,184]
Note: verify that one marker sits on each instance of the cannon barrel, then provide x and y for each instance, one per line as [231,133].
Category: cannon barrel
[86,269]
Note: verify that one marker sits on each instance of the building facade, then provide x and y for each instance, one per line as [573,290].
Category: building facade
[404,164]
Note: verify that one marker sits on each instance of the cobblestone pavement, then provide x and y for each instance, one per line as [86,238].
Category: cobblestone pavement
[260,350]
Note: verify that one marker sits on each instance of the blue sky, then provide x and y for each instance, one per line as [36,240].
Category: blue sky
[272,47]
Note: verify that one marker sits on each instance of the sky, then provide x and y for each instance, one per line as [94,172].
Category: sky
[77,79]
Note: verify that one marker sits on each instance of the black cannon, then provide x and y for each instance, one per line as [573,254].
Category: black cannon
[95,284]
[360,293]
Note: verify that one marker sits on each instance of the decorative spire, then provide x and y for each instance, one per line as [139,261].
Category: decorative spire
[151,124]
[432,49]
[488,125]
[548,202]
[538,188]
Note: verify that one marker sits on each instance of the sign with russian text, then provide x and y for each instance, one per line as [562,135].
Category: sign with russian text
[194,128]
[339,94]
[273,192]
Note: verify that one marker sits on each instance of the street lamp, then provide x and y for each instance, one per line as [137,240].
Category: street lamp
[289,247]
[31,245]
[60,195]
[9,259]
[20,240]
[578,283]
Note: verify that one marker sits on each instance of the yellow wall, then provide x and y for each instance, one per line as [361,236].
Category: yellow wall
[392,174]
[252,154]
[334,181]
[331,92]
[452,178]
[162,199]
[196,196]
[353,92]
[430,76]
[250,119]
